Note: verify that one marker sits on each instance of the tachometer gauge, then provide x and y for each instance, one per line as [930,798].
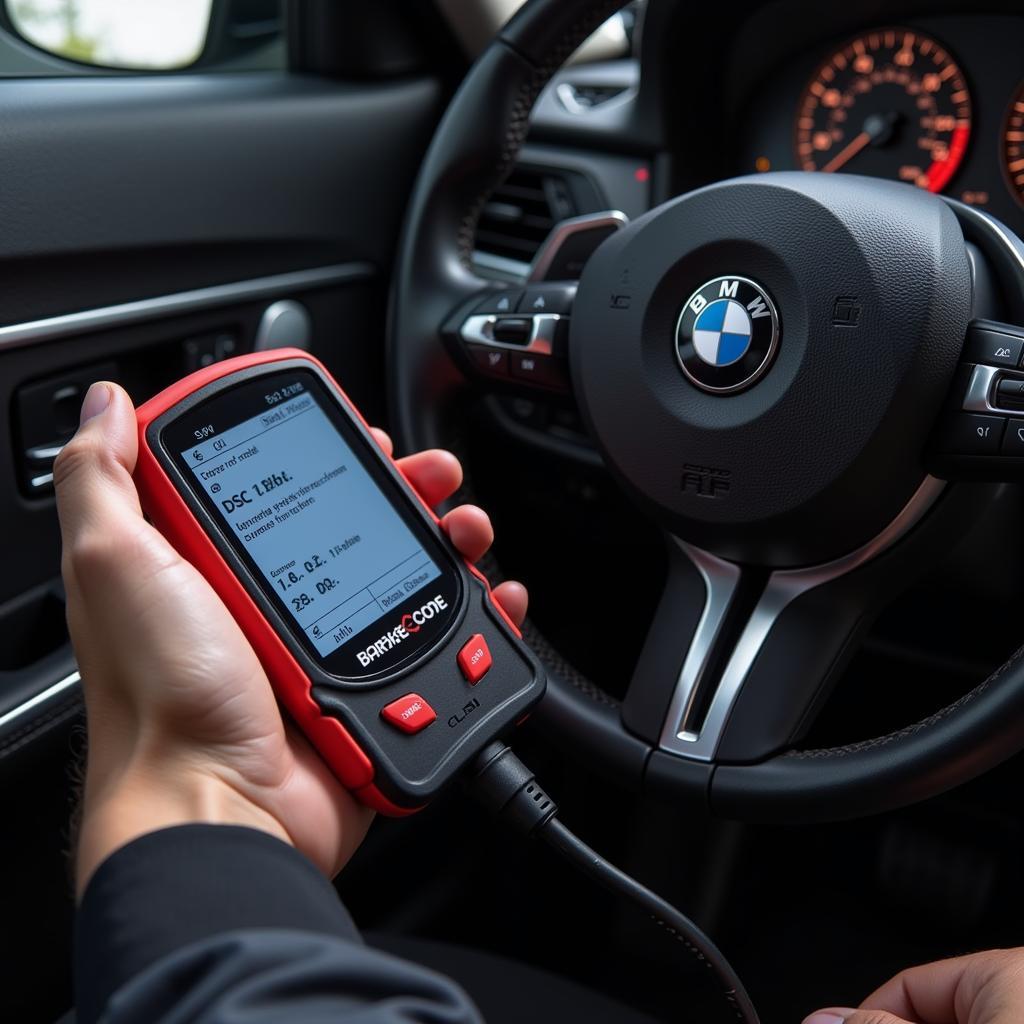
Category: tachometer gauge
[891,103]
[1013,145]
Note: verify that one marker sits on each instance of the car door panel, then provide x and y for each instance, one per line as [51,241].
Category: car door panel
[168,183]
[146,220]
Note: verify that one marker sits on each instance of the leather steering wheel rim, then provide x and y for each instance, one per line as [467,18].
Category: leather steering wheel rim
[473,149]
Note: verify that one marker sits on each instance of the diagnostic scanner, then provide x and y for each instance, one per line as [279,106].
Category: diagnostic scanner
[381,642]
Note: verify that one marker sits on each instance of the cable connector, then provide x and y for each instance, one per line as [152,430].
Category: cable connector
[503,784]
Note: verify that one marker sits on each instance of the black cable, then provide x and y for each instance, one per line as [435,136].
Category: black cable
[505,785]
[677,924]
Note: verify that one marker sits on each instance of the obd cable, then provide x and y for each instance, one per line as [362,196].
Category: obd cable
[503,784]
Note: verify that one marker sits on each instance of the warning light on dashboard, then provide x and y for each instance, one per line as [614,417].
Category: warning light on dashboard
[762,163]
[974,197]
[642,174]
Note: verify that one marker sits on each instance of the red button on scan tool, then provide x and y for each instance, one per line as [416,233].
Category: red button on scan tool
[475,658]
[409,713]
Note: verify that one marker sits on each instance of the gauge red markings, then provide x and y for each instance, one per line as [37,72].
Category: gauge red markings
[891,103]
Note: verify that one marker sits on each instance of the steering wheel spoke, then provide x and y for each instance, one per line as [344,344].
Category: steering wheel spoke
[739,659]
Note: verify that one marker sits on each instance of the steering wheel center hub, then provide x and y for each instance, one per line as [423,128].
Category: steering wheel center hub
[727,335]
[761,360]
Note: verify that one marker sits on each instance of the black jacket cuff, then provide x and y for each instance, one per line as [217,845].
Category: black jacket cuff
[180,885]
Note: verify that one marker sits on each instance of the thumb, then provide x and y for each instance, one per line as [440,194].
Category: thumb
[92,476]
[843,1015]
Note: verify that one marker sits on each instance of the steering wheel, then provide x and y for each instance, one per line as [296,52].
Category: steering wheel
[805,379]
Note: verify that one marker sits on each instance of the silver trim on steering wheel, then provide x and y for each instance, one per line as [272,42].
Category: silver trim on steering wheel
[681,734]
[564,230]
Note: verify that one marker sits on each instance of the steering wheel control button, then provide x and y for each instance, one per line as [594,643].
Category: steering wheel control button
[474,659]
[550,334]
[500,302]
[513,330]
[970,434]
[993,345]
[542,370]
[493,361]
[410,713]
[1013,439]
[727,335]
[1010,394]
[548,298]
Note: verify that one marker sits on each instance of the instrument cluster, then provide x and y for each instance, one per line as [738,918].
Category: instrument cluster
[935,102]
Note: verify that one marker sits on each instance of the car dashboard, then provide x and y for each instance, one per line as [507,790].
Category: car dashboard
[936,101]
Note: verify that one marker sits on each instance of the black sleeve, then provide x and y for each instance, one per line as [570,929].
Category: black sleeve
[212,923]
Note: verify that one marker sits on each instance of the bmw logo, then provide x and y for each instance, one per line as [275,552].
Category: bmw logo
[727,334]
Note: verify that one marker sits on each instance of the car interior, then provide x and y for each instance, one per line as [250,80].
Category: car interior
[777,595]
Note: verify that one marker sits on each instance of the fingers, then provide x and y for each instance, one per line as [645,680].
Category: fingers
[384,440]
[435,474]
[93,474]
[471,532]
[841,1015]
[469,529]
[926,993]
[985,986]
[513,597]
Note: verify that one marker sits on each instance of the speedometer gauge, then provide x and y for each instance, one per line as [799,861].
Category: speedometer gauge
[1013,145]
[891,103]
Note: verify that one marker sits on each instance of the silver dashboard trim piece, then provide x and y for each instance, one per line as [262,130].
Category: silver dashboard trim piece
[44,452]
[43,697]
[567,92]
[54,327]
[783,587]
[564,230]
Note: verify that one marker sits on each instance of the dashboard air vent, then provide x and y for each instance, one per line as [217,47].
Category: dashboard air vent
[521,212]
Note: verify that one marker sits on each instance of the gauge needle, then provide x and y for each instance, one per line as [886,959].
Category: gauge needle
[849,151]
[878,130]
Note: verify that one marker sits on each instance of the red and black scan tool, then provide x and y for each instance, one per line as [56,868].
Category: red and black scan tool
[382,643]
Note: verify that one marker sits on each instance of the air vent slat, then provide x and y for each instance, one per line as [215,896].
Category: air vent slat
[513,191]
[515,248]
[521,212]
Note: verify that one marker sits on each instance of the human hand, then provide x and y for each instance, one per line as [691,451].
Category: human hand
[984,988]
[183,725]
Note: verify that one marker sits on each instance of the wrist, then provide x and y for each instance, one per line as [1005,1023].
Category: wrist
[146,800]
